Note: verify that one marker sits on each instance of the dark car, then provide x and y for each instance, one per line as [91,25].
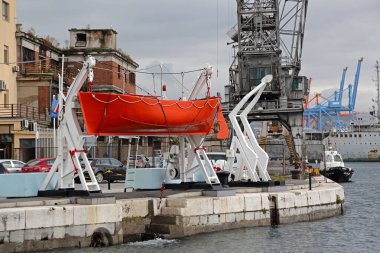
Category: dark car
[38,165]
[105,168]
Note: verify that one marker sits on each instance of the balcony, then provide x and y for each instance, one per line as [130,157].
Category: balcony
[19,111]
[35,69]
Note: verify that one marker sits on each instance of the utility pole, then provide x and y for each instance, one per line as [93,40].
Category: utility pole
[378,89]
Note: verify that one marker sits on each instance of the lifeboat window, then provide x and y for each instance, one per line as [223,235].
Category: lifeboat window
[355,135]
[345,136]
[360,136]
[350,135]
[329,158]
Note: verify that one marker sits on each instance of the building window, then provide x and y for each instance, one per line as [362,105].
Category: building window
[118,71]
[256,74]
[81,40]
[6,100]
[132,78]
[5,8]
[27,55]
[6,54]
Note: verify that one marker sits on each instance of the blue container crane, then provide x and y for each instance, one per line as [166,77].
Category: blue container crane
[326,115]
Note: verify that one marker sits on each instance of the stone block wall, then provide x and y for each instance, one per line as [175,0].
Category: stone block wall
[47,227]
[53,225]
[188,216]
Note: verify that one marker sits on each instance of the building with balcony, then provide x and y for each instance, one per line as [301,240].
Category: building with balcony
[11,137]
[38,69]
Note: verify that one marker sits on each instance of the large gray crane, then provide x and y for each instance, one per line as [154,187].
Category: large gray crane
[268,39]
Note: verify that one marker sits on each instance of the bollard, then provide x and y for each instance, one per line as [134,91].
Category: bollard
[309,180]
[109,180]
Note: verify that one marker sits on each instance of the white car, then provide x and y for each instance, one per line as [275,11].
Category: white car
[13,166]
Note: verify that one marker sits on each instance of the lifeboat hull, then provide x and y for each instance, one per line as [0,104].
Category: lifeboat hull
[107,114]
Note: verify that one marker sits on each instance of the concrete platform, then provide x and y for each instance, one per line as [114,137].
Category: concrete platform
[41,223]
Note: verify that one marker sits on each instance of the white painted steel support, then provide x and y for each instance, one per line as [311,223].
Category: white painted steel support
[251,155]
[71,139]
[204,164]
[203,79]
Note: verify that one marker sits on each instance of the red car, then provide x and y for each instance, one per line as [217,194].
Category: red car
[38,165]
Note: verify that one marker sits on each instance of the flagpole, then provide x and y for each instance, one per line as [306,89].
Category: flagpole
[54,137]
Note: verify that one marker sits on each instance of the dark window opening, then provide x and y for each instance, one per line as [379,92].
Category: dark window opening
[256,74]
[81,40]
[6,54]
[118,71]
[5,12]
[81,37]
[27,55]
[132,78]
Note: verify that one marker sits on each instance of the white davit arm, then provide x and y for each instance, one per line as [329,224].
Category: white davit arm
[244,141]
[203,78]
[71,140]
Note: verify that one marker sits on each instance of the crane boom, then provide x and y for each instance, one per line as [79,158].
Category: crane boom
[356,83]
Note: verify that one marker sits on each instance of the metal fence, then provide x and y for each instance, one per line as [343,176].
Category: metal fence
[45,142]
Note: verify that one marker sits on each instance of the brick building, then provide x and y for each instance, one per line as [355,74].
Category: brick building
[39,65]
[113,70]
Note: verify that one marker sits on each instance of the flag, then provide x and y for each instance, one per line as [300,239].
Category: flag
[54,108]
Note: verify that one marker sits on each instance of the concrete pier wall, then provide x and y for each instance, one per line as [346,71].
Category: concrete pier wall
[45,225]
[188,216]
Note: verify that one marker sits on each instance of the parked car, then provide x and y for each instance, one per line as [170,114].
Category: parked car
[38,165]
[3,170]
[12,166]
[107,167]
[139,161]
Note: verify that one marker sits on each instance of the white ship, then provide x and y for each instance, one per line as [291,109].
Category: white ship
[361,141]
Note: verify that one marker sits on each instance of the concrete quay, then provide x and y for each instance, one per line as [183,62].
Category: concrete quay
[42,224]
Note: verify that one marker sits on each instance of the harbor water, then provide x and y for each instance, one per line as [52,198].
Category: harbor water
[358,230]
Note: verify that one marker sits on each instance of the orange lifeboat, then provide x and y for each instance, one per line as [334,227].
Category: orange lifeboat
[108,114]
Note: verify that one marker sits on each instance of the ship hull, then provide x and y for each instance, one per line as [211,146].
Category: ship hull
[338,174]
[353,146]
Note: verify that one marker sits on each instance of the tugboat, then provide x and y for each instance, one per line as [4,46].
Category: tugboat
[333,167]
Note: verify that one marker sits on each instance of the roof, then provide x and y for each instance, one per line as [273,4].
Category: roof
[92,30]
[91,51]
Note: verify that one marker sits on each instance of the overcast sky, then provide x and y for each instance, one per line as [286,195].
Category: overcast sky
[190,34]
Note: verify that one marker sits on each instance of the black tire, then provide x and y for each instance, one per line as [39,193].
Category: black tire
[99,177]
